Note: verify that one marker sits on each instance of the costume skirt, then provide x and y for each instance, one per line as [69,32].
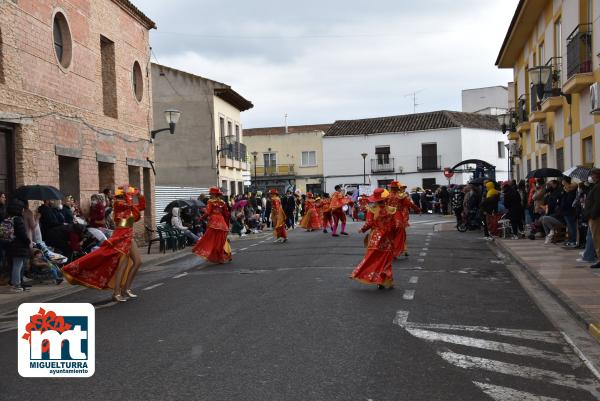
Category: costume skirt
[213,246]
[375,268]
[97,269]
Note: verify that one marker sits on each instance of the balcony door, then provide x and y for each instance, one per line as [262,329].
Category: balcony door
[430,158]
[270,163]
[383,155]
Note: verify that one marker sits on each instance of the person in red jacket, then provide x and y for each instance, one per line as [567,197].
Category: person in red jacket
[338,201]
[214,246]
[277,217]
[376,266]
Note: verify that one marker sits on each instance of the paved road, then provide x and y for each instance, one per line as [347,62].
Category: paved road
[283,322]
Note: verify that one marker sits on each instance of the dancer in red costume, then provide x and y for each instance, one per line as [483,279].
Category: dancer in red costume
[214,246]
[115,263]
[311,220]
[363,203]
[376,266]
[277,217]
[400,200]
[338,201]
[326,209]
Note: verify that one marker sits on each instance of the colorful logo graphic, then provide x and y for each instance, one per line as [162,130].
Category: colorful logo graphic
[56,340]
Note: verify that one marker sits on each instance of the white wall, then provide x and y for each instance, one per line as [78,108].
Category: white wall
[343,163]
[474,100]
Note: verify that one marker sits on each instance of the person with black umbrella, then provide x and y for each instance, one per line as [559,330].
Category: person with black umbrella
[592,211]
[18,249]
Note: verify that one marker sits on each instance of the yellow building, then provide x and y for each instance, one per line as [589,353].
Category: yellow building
[554,42]
[286,157]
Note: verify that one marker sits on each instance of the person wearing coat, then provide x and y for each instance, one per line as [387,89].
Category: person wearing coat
[514,205]
[178,224]
[592,211]
[19,249]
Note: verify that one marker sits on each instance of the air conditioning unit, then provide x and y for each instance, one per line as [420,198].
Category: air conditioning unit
[542,134]
[595,98]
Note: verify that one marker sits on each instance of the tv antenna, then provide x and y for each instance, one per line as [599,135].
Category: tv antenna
[413,95]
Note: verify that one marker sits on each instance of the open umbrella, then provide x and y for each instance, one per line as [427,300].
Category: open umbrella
[180,203]
[579,172]
[38,192]
[545,173]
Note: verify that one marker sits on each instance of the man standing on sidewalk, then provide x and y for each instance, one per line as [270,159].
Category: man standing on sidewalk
[592,211]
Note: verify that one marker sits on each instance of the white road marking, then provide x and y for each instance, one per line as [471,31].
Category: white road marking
[180,275]
[550,337]
[413,280]
[433,336]
[401,318]
[152,287]
[253,244]
[408,295]
[580,354]
[508,394]
[425,249]
[422,253]
[244,249]
[420,260]
[497,262]
[510,369]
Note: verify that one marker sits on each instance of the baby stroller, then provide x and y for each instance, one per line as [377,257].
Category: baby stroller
[469,222]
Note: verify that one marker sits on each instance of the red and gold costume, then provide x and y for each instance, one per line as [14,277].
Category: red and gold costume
[214,246]
[311,219]
[400,201]
[277,217]
[338,201]
[363,203]
[97,269]
[327,219]
[376,266]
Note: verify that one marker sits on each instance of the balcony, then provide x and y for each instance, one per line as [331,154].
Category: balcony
[383,165]
[234,157]
[523,113]
[429,163]
[579,59]
[276,170]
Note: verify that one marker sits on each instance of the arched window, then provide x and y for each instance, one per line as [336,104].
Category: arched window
[138,81]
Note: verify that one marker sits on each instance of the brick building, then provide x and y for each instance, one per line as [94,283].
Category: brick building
[75,96]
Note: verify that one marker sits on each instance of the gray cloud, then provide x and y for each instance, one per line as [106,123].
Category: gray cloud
[331,59]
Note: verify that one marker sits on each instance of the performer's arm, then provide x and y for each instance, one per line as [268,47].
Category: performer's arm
[369,223]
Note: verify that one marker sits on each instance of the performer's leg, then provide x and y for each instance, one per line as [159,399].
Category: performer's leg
[335,223]
[135,256]
[117,293]
[343,224]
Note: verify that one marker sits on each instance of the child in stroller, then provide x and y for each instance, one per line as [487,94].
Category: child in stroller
[41,269]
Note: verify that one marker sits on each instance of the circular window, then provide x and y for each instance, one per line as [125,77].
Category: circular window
[138,81]
[62,40]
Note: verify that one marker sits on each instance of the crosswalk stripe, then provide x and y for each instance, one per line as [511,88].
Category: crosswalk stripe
[510,369]
[408,295]
[500,393]
[493,346]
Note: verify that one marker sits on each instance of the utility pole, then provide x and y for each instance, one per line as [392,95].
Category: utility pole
[285,116]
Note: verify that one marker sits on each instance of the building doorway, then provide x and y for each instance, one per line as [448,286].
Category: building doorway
[134,177]
[7,159]
[106,176]
[68,176]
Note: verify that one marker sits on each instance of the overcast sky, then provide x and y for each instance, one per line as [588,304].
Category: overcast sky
[326,60]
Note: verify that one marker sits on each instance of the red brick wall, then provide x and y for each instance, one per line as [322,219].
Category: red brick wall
[35,84]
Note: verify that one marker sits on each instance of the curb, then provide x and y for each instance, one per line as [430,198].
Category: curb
[579,314]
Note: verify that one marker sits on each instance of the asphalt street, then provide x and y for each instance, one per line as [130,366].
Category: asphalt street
[283,322]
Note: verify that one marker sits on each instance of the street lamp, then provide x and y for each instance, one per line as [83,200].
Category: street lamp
[172,117]
[505,121]
[364,156]
[254,154]
[539,76]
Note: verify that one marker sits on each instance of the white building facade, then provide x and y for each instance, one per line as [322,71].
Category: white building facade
[491,100]
[414,149]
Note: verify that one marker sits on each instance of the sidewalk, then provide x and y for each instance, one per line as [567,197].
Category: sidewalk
[150,262]
[574,284]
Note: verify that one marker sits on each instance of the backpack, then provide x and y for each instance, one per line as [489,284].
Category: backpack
[7,229]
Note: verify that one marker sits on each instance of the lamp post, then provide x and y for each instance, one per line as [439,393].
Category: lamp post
[172,116]
[364,156]
[254,154]
[508,123]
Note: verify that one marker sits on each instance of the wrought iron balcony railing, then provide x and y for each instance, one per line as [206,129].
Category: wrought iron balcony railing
[579,50]
[275,170]
[554,85]
[382,165]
